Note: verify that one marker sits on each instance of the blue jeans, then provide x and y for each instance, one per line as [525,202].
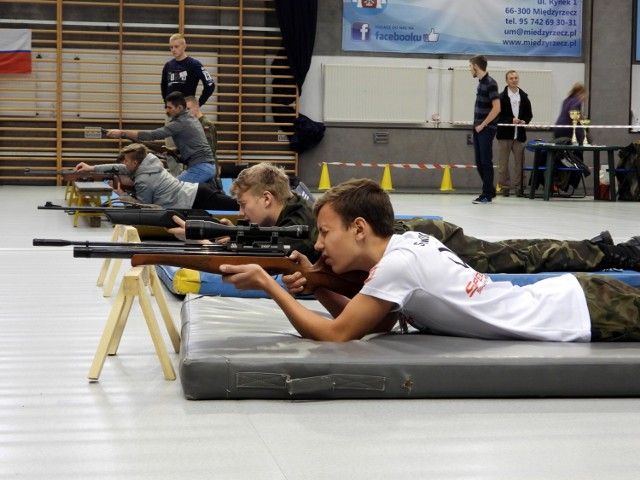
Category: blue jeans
[483,146]
[201,173]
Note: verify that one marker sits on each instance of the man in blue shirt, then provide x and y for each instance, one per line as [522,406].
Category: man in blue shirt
[183,74]
[485,124]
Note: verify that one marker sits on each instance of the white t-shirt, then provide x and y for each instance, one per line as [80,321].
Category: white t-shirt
[437,291]
[514,97]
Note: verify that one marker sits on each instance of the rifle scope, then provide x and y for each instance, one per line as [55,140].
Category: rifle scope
[206,230]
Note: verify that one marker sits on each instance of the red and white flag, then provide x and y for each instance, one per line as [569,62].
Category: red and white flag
[15,50]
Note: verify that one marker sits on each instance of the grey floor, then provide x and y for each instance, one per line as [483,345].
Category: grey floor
[54,423]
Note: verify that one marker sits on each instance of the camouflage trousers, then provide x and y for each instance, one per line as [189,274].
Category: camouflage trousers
[510,256]
[614,308]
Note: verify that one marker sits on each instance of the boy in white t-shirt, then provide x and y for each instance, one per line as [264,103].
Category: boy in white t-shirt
[413,278]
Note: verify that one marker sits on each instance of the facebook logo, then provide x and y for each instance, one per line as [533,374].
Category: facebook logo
[359,31]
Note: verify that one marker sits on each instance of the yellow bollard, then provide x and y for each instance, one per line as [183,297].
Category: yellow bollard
[386,179]
[446,180]
[325,183]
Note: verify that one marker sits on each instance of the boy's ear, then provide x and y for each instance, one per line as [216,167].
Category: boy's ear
[267,196]
[360,225]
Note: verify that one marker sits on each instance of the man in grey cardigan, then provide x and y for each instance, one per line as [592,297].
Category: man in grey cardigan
[187,134]
[155,185]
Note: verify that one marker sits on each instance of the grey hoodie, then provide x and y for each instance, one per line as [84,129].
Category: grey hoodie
[156,185]
[187,134]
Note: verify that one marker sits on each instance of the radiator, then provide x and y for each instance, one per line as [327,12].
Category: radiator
[374,93]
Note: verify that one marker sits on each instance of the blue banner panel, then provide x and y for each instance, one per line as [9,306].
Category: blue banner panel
[637,33]
[551,28]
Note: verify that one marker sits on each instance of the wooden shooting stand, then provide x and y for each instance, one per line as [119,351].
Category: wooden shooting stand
[134,284]
[121,233]
[88,194]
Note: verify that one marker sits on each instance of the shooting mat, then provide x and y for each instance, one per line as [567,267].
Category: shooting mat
[238,349]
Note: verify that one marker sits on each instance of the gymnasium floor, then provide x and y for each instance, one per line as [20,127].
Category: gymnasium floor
[55,424]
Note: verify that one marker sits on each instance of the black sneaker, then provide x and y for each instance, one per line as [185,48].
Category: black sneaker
[604,237]
[633,242]
[624,256]
[482,199]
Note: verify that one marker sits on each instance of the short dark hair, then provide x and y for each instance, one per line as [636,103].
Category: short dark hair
[480,61]
[360,197]
[176,99]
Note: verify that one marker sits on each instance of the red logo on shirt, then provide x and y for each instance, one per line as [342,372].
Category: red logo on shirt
[477,284]
[371,273]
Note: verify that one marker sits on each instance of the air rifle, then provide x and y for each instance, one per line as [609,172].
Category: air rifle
[123,181]
[250,245]
[155,147]
[137,214]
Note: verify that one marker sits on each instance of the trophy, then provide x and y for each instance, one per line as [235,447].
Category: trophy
[585,122]
[574,115]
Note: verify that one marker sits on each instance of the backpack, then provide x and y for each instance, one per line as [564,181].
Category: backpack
[306,134]
[629,179]
[568,180]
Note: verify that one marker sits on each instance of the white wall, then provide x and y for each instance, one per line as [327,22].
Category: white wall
[439,81]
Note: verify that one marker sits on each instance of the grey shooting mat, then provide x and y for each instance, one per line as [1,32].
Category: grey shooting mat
[238,348]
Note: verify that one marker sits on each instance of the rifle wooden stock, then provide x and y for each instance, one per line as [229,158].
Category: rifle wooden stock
[347,284]
[124,181]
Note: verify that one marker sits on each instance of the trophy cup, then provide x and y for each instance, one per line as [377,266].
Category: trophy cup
[585,122]
[574,115]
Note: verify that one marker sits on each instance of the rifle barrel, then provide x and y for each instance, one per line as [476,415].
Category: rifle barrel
[167,246]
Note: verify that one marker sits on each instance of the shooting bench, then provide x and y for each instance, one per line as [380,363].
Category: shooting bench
[88,194]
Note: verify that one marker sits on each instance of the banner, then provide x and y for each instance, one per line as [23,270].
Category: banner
[489,27]
[15,50]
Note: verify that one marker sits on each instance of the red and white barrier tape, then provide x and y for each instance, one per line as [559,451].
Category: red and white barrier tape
[422,166]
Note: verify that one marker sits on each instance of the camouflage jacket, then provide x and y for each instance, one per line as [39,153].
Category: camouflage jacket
[298,211]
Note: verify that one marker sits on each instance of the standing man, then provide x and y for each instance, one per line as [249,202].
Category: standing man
[189,137]
[515,109]
[182,74]
[485,120]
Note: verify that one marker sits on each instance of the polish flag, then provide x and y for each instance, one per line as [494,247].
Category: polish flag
[15,50]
